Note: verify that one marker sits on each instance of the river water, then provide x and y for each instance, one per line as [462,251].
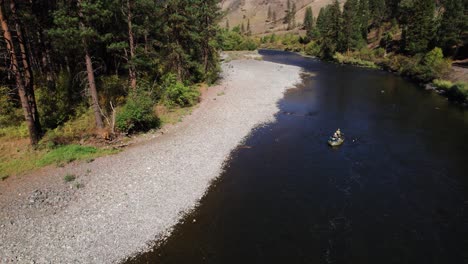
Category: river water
[395,192]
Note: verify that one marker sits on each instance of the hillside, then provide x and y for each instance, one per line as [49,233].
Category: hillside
[238,11]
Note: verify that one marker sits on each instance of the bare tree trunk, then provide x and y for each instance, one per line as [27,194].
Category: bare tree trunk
[28,73]
[26,94]
[90,72]
[92,89]
[131,70]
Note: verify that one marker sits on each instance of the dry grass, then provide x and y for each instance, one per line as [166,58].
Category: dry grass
[171,115]
[242,55]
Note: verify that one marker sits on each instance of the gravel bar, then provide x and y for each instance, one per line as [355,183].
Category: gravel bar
[132,199]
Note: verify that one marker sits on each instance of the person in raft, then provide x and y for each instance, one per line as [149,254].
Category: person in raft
[337,134]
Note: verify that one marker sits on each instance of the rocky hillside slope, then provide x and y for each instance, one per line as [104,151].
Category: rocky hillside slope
[240,11]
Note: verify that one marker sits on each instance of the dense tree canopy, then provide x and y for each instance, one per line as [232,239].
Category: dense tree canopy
[76,54]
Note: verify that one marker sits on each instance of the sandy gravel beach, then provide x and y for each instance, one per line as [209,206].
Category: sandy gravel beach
[131,199]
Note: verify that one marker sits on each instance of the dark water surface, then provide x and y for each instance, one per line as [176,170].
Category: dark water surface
[395,192]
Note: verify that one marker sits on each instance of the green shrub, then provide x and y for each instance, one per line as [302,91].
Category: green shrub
[112,89]
[379,53]
[69,177]
[459,91]
[10,114]
[343,59]
[80,127]
[431,66]
[56,104]
[234,40]
[312,49]
[442,84]
[14,132]
[136,115]
[176,93]
[248,44]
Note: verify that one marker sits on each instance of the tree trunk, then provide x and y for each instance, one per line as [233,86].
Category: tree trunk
[90,72]
[28,76]
[93,90]
[26,94]
[131,69]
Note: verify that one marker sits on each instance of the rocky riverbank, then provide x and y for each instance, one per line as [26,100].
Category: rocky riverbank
[122,204]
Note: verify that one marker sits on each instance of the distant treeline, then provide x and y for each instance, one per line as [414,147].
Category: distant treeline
[416,38]
[62,57]
[423,25]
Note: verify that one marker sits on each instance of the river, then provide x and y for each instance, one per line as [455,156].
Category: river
[395,192]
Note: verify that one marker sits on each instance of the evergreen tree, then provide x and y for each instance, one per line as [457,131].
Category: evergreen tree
[206,31]
[293,15]
[288,18]
[364,17]
[20,65]
[227,24]
[78,28]
[377,9]
[242,28]
[321,23]
[249,32]
[454,22]
[269,15]
[352,34]
[309,22]
[330,26]
[418,26]
[274,18]
[335,23]
[392,7]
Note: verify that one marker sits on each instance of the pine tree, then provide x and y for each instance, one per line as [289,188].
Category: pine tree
[293,15]
[249,32]
[287,16]
[352,35]
[309,22]
[364,17]
[392,7]
[22,73]
[242,28]
[274,18]
[329,24]
[321,23]
[454,22]
[335,26]
[419,22]
[77,30]
[269,16]
[378,9]
[227,24]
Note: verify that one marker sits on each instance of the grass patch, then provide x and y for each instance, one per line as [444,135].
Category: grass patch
[442,84]
[343,59]
[14,132]
[4,177]
[172,115]
[69,177]
[68,153]
[457,91]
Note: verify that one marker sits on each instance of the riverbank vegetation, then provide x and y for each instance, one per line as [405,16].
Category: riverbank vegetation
[85,72]
[415,38]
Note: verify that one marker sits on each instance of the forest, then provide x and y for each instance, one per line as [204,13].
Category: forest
[101,66]
[81,73]
[415,38]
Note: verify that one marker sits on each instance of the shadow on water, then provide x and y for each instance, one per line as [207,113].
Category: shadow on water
[395,192]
